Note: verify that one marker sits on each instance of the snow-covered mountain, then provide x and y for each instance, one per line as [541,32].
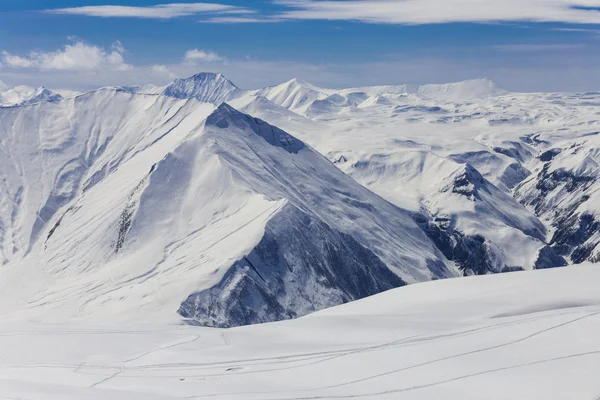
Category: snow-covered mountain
[129,214]
[135,206]
[457,181]
[205,87]
[24,95]
[294,95]
[565,192]
[149,202]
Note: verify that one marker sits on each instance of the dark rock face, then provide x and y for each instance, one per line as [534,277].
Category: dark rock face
[533,139]
[471,253]
[575,235]
[301,265]
[549,258]
[549,155]
[511,269]
[549,181]
[469,183]
[473,256]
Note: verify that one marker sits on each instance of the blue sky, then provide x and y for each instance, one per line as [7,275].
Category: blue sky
[524,45]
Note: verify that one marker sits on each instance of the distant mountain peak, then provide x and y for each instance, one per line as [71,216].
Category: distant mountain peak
[297,81]
[465,90]
[207,87]
[24,95]
[208,76]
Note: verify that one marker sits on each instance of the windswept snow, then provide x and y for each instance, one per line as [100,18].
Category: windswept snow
[24,95]
[523,335]
[205,87]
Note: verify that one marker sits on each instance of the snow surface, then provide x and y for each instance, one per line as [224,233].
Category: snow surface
[523,335]
[23,95]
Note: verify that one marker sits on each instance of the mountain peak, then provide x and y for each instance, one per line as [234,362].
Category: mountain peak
[207,87]
[296,81]
[209,76]
[24,95]
[226,116]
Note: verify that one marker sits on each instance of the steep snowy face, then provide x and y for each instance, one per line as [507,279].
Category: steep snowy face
[57,151]
[136,206]
[474,223]
[565,192]
[24,95]
[205,87]
[329,244]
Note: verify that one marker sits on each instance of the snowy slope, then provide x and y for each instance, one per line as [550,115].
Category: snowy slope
[413,145]
[295,95]
[147,202]
[565,192]
[461,91]
[475,223]
[23,95]
[205,87]
[136,206]
[524,335]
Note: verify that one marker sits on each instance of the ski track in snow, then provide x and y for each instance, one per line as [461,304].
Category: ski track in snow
[431,350]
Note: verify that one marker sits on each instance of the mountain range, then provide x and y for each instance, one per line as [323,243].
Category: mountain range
[203,202]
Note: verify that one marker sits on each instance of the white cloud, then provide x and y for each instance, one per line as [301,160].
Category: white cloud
[162,70]
[160,11]
[520,72]
[444,11]
[74,57]
[201,56]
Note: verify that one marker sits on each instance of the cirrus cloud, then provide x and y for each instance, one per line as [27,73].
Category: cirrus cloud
[160,11]
[415,12]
